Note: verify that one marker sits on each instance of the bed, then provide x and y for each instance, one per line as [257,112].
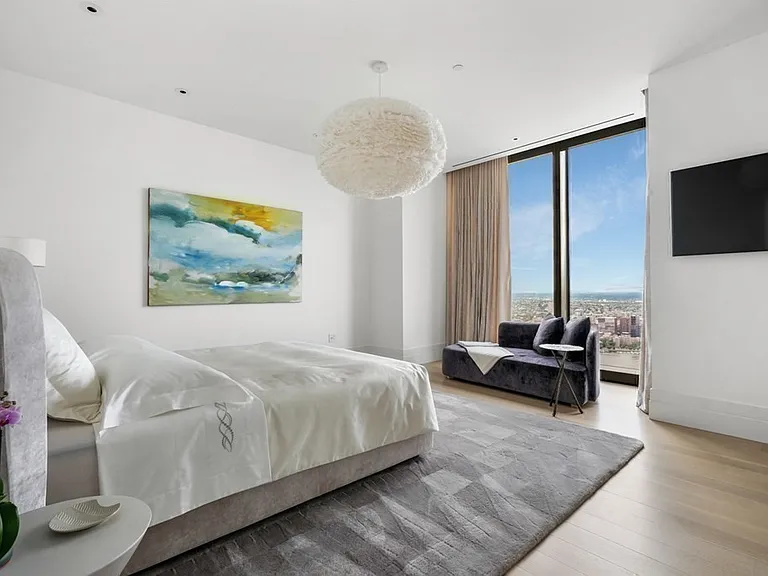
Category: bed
[324,411]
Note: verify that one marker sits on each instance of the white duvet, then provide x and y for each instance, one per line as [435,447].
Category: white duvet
[311,405]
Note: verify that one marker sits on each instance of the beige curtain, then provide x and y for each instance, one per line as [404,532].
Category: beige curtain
[645,381]
[477,228]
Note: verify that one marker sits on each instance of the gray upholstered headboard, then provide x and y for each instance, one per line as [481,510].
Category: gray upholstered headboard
[22,373]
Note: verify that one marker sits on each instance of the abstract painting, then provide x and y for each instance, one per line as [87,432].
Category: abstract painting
[211,251]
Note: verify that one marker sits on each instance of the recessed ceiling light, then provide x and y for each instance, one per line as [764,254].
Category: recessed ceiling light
[181,91]
[458,67]
[91,8]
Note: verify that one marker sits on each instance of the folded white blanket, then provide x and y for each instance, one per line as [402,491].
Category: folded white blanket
[485,355]
[468,343]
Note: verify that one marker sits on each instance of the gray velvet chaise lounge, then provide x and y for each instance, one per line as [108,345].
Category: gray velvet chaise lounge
[528,372]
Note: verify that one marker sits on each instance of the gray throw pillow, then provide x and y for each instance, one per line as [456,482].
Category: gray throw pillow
[575,334]
[550,332]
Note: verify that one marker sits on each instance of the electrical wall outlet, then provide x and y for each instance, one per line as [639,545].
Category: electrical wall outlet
[331,338]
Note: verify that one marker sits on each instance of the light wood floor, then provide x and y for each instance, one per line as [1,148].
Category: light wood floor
[691,502]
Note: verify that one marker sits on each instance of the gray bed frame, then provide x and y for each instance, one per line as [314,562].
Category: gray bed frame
[25,452]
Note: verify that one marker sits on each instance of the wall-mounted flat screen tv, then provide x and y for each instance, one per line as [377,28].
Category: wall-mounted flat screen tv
[721,208]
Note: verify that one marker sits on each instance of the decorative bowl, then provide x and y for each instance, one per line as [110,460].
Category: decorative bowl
[82,516]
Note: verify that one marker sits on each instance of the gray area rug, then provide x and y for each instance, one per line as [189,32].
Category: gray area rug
[495,484]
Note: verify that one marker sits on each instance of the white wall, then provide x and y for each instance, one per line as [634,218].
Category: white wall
[74,170]
[424,273]
[709,323]
[406,256]
[385,226]
[362,271]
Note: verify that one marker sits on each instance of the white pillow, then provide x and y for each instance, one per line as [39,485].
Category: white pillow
[141,380]
[72,387]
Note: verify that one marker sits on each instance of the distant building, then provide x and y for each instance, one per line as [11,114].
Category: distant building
[606,324]
[634,326]
[622,325]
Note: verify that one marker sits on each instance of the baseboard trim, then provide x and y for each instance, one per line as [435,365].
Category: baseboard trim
[379,351]
[714,415]
[419,355]
[424,354]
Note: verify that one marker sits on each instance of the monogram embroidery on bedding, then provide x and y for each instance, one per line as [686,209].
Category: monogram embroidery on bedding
[225,426]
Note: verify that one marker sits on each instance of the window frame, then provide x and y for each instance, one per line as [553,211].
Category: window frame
[561,217]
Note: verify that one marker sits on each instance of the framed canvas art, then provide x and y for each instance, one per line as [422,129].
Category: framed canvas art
[212,251]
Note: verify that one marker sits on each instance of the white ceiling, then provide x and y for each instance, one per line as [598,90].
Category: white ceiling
[273,69]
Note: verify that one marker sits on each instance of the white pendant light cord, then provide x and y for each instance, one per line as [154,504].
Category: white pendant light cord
[380,67]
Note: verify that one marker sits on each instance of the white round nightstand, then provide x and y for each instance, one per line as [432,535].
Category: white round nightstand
[103,550]
[562,349]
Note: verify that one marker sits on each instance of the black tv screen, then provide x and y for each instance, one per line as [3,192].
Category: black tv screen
[721,208]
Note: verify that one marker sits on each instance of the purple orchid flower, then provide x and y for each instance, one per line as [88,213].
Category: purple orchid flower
[9,416]
[10,413]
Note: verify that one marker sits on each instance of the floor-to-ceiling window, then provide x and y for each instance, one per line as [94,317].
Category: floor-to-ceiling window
[606,188]
[577,224]
[531,238]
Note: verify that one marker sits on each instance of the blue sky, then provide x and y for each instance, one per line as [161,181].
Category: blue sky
[607,203]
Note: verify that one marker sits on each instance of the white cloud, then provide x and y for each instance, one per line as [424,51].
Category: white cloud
[266,237]
[622,288]
[170,240]
[591,204]
[530,230]
[638,147]
[248,225]
[601,199]
[175,199]
[206,238]
[587,213]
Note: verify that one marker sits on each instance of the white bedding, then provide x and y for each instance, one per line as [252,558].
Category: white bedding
[312,405]
[179,461]
[141,380]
